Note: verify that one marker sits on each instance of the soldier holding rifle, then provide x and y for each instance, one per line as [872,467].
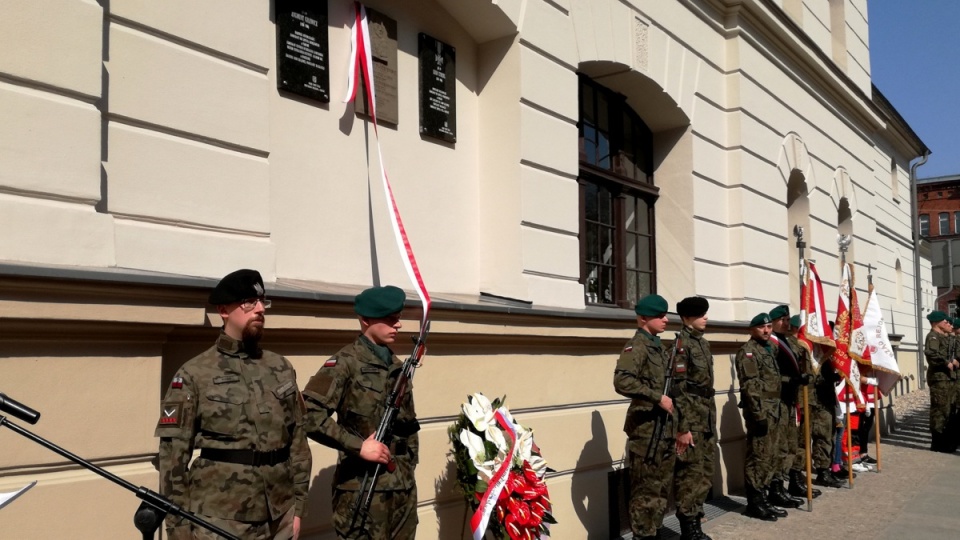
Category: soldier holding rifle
[941,374]
[642,374]
[354,384]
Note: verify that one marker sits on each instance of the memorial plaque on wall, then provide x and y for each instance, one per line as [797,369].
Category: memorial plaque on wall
[438,89]
[303,64]
[383,49]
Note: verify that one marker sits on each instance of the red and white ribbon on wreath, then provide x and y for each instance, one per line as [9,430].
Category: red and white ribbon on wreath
[480,519]
[361,60]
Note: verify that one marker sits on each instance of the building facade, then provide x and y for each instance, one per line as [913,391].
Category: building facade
[938,203]
[604,150]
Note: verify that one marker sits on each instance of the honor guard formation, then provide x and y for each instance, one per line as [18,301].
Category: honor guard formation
[241,408]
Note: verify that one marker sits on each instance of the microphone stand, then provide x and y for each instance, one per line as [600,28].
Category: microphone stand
[152,510]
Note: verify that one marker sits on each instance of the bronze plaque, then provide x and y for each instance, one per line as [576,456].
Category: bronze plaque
[438,89]
[383,42]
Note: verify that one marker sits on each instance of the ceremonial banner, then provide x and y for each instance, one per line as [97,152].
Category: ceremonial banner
[882,357]
[814,331]
[843,361]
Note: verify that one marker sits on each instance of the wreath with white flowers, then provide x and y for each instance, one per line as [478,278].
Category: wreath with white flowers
[500,471]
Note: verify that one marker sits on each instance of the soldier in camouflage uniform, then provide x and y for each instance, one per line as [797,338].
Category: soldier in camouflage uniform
[941,374]
[697,430]
[353,385]
[794,375]
[640,375]
[764,414]
[240,406]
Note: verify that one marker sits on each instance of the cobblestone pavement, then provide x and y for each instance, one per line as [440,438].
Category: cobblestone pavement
[914,495]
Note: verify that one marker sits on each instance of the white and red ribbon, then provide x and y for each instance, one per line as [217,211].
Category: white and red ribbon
[361,61]
[480,519]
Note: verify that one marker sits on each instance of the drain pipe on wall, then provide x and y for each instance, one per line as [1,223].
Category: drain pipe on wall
[918,308]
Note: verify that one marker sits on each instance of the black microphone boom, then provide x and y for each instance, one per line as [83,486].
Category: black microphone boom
[18,410]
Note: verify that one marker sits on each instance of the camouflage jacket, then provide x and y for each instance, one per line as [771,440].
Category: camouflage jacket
[693,380]
[936,350]
[759,378]
[355,384]
[640,375]
[228,399]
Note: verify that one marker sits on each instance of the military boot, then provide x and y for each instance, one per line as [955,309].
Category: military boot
[755,507]
[696,525]
[688,530]
[779,497]
[768,504]
[798,486]
[826,478]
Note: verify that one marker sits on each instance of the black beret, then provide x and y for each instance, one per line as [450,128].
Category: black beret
[237,286]
[652,305]
[694,306]
[780,311]
[377,302]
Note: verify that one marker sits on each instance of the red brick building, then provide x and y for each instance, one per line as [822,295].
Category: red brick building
[938,203]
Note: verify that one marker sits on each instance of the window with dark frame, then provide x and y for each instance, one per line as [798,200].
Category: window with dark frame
[924,225]
[944,219]
[617,197]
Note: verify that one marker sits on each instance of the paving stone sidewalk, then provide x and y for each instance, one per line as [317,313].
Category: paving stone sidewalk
[914,496]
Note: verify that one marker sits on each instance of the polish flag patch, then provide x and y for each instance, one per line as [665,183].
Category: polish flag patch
[628,349]
[177,382]
[331,362]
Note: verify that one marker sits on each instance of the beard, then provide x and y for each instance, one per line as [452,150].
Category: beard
[252,332]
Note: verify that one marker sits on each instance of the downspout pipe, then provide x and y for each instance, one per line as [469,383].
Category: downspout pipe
[918,308]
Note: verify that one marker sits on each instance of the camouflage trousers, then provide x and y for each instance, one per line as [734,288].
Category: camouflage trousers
[822,424]
[763,452]
[650,483]
[693,475]
[821,440]
[393,515]
[277,529]
[941,405]
[790,451]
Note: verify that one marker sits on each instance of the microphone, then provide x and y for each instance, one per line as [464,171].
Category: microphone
[17,409]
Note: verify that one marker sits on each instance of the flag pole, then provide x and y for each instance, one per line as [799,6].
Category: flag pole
[876,387]
[843,241]
[798,232]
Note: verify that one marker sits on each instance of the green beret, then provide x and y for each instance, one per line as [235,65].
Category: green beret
[694,306]
[237,286]
[795,321]
[652,305]
[780,311]
[760,320]
[377,302]
[936,316]
[955,322]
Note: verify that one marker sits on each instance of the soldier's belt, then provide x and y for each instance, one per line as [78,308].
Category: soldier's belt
[247,457]
[701,391]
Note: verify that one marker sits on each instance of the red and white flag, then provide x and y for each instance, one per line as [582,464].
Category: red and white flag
[814,331]
[850,341]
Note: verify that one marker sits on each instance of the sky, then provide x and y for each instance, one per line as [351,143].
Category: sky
[915,62]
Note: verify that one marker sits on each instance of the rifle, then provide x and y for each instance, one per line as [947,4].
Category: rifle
[667,387]
[361,506]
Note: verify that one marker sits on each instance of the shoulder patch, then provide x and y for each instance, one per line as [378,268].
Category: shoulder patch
[332,361]
[177,382]
[628,348]
[170,414]
[749,355]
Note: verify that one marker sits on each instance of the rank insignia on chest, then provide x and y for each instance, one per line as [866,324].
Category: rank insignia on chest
[331,362]
[177,382]
[628,348]
[681,367]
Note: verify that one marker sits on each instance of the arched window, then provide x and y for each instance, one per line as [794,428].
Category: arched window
[617,196]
